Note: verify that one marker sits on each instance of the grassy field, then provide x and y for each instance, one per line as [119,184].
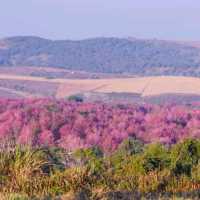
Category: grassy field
[145,86]
[60,87]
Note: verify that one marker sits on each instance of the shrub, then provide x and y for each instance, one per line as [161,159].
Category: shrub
[130,146]
[128,175]
[27,170]
[196,172]
[84,156]
[154,181]
[184,155]
[23,168]
[76,98]
[38,173]
[79,180]
[155,157]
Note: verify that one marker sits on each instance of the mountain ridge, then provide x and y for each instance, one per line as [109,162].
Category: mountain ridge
[103,55]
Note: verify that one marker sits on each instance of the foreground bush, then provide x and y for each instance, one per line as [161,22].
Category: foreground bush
[50,173]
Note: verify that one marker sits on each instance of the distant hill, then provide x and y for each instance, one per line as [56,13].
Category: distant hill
[103,55]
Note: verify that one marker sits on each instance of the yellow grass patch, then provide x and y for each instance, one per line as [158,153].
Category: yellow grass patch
[146,86]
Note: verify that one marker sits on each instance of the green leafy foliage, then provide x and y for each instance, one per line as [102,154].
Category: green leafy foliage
[130,146]
[155,157]
[44,173]
[88,154]
[184,156]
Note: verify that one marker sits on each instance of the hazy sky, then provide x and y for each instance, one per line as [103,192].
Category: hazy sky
[77,19]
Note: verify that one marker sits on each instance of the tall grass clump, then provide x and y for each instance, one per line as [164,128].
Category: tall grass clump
[26,170]
[133,171]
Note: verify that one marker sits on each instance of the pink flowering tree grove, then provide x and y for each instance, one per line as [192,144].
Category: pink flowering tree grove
[72,125]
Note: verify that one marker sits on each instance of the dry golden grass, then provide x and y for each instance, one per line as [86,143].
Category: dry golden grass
[146,86]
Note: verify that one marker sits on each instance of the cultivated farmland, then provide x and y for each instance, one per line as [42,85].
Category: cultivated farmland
[145,87]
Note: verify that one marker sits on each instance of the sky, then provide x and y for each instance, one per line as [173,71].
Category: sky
[80,19]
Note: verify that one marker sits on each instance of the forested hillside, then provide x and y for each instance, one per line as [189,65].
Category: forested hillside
[105,55]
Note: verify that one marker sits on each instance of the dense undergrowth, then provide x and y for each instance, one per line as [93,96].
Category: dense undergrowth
[133,171]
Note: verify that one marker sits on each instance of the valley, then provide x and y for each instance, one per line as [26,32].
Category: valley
[19,84]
